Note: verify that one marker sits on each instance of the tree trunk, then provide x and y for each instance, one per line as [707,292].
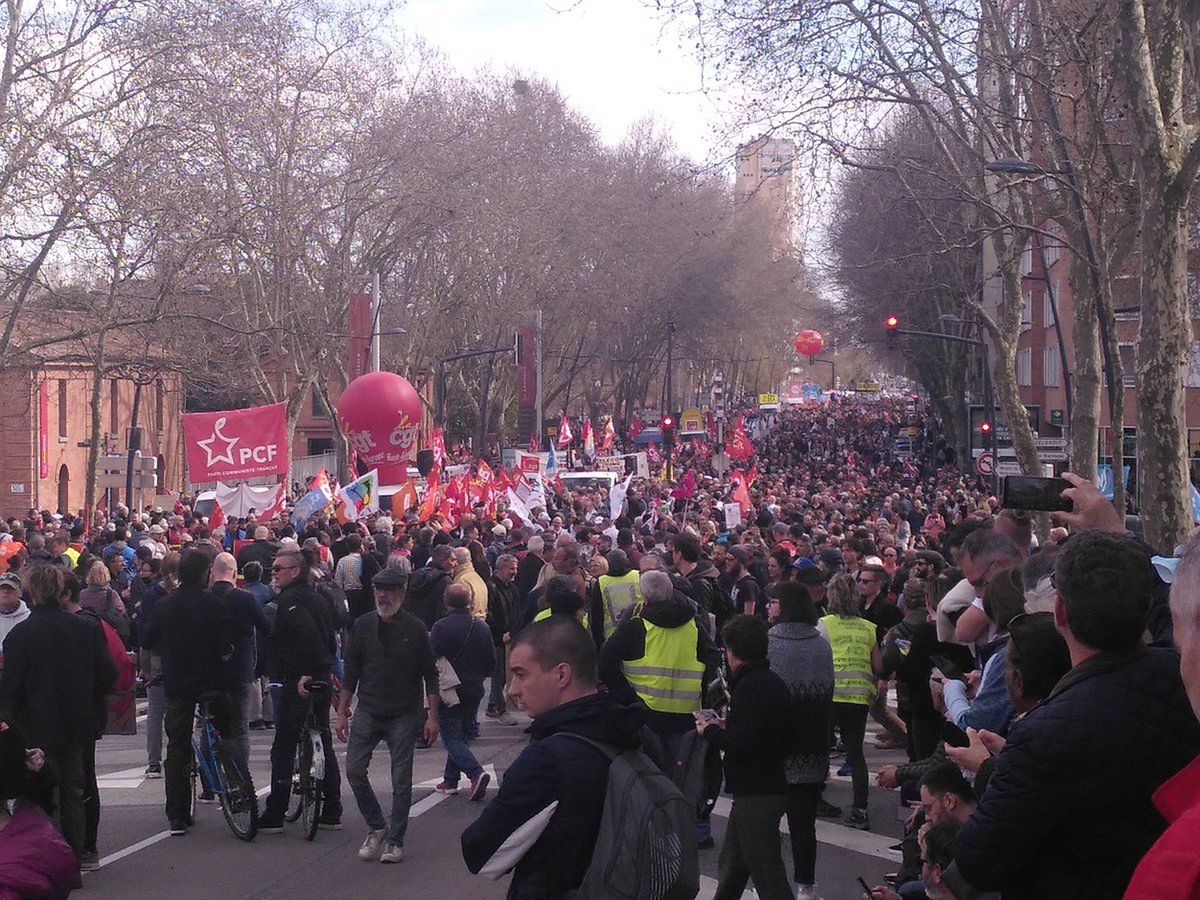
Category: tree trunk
[93,455]
[1004,367]
[1085,376]
[1162,360]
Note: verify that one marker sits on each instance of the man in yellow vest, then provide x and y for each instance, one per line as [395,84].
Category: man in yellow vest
[612,594]
[662,655]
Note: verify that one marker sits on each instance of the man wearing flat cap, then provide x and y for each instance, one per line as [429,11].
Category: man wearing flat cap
[388,657]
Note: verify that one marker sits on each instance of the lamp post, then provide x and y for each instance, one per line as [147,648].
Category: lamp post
[832,370]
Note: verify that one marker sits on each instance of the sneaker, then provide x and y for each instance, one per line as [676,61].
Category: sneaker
[256,725]
[858,818]
[827,810]
[445,787]
[506,718]
[370,847]
[392,853]
[267,725]
[844,769]
[89,862]
[806,892]
[154,770]
[270,826]
[478,786]
[179,827]
[330,822]
[207,796]
[492,713]
[705,843]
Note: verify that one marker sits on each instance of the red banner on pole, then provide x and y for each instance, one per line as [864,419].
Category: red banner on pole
[361,329]
[44,429]
[236,443]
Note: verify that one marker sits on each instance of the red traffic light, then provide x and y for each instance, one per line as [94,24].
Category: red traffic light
[985,426]
[668,422]
[892,321]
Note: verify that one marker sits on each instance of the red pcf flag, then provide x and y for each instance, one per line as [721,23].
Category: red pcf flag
[236,443]
[739,446]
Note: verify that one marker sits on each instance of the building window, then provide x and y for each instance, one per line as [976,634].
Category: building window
[62,408]
[317,446]
[318,411]
[1025,367]
[159,401]
[1194,443]
[1027,261]
[1129,363]
[1055,286]
[1027,309]
[1051,366]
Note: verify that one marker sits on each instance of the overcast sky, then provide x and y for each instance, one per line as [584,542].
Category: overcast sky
[612,59]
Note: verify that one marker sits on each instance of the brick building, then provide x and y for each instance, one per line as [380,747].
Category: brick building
[45,425]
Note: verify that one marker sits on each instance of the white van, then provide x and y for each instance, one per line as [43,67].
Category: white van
[589,481]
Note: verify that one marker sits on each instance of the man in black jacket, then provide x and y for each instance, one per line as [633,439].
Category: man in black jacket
[755,739]
[188,630]
[1068,811]
[300,649]
[56,671]
[427,586]
[502,606]
[543,824]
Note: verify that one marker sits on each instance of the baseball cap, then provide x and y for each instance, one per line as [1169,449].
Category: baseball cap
[10,579]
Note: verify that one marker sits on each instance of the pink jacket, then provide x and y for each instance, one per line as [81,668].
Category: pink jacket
[35,862]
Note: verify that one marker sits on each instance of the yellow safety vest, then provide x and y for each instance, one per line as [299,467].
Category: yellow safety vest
[668,677]
[545,614]
[851,640]
[618,593]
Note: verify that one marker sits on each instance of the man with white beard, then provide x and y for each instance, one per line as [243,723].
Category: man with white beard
[387,657]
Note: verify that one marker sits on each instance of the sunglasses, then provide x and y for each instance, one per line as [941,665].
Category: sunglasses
[282,568]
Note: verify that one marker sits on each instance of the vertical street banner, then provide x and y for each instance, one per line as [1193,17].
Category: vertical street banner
[44,429]
[236,443]
[361,328]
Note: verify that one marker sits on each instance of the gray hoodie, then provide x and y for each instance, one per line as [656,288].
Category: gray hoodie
[10,620]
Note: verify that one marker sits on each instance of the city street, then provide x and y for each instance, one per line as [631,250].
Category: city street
[140,859]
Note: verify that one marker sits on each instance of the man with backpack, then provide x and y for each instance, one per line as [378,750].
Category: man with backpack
[553,823]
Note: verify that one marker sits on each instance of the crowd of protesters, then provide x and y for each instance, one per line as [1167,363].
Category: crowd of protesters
[1043,688]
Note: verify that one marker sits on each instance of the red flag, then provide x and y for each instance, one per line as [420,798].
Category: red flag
[686,489]
[654,455]
[437,443]
[739,446]
[535,445]
[432,489]
[636,425]
[277,504]
[608,439]
[565,435]
[740,494]
[236,443]
[752,474]
[216,518]
[405,498]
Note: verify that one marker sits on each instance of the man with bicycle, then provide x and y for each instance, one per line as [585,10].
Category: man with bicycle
[188,630]
[300,649]
[388,657]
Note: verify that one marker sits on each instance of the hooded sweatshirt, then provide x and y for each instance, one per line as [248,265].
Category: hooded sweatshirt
[10,620]
[628,643]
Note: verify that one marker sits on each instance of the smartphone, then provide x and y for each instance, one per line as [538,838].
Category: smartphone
[947,667]
[1031,492]
[954,736]
[866,887]
[707,714]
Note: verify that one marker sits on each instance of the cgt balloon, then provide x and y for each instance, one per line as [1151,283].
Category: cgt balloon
[380,414]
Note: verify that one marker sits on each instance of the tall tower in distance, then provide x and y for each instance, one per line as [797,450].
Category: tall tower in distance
[765,185]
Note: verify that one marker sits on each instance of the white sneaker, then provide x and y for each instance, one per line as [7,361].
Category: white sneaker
[392,853]
[370,847]
[806,892]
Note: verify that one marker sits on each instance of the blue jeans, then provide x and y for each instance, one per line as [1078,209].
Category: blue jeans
[454,722]
[400,735]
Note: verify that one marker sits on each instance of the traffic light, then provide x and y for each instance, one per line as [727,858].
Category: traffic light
[667,427]
[892,322]
[985,427]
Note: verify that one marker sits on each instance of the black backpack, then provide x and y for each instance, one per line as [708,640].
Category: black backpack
[646,848]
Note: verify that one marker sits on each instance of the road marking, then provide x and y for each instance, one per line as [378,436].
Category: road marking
[865,842]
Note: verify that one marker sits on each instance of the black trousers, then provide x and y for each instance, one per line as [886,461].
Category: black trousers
[289,725]
[91,799]
[851,720]
[802,824]
[751,850]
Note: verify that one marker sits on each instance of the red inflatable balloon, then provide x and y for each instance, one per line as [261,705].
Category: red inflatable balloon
[380,414]
[809,342]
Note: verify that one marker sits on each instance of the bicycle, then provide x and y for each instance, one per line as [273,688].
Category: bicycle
[309,773]
[214,766]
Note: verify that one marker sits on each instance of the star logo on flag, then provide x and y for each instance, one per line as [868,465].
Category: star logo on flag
[217,437]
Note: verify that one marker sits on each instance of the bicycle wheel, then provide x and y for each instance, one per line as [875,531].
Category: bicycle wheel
[236,796]
[194,783]
[296,797]
[310,814]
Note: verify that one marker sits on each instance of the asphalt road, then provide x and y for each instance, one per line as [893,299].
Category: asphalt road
[140,859]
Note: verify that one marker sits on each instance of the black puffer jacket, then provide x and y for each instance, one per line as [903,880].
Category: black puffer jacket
[1067,812]
[552,843]
[426,592]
